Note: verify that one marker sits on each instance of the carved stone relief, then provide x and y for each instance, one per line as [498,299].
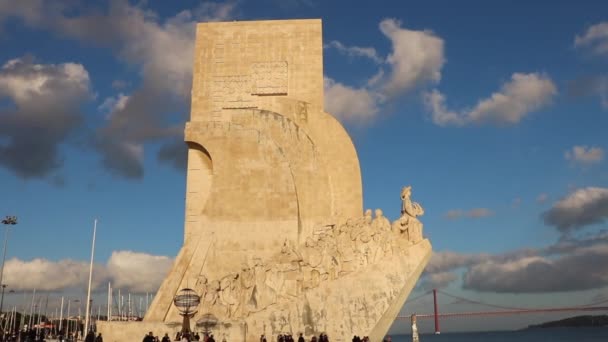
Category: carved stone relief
[333,250]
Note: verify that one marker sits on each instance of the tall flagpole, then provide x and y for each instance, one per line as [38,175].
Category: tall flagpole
[109,317]
[61,316]
[87,313]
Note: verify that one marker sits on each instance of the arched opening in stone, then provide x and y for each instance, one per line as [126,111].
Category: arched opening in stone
[199,178]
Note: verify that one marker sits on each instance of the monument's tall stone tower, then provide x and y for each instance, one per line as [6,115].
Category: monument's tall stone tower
[276,240]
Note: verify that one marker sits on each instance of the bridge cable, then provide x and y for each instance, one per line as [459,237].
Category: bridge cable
[515,308]
[482,303]
[417,297]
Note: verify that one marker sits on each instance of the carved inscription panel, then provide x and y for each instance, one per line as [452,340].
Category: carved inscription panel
[269,78]
[232,91]
[236,91]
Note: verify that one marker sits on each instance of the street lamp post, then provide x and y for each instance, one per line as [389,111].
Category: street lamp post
[8,222]
[2,296]
[1,302]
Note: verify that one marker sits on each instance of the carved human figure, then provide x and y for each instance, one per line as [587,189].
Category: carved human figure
[380,222]
[247,279]
[208,294]
[229,293]
[346,251]
[408,224]
[311,254]
[408,207]
[366,227]
[289,254]
[210,300]
[263,295]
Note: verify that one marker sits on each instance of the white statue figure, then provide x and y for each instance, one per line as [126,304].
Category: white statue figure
[408,224]
[408,207]
[414,329]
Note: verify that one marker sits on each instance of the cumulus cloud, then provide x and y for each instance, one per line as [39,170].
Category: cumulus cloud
[542,198]
[571,264]
[584,155]
[447,261]
[437,280]
[595,39]
[46,101]
[472,213]
[162,50]
[356,51]
[523,94]
[45,275]
[347,103]
[417,57]
[581,270]
[139,272]
[175,153]
[135,272]
[580,208]
[114,104]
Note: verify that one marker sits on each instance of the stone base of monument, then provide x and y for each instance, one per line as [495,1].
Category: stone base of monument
[365,303]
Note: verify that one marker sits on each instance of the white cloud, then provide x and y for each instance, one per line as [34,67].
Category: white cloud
[595,38]
[523,94]
[21,79]
[580,208]
[447,261]
[46,101]
[571,264]
[437,280]
[417,57]
[347,103]
[161,49]
[113,104]
[139,272]
[585,155]
[542,198]
[435,103]
[582,269]
[45,275]
[356,51]
[136,272]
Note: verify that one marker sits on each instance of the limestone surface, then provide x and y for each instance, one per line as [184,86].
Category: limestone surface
[275,237]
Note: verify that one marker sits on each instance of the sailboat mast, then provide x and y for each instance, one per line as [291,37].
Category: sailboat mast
[88,306]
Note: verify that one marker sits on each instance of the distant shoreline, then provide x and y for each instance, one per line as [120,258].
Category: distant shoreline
[574,322]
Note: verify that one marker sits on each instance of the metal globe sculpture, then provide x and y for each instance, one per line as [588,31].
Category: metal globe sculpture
[187,302]
[207,322]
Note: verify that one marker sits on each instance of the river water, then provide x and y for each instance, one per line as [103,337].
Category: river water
[531,335]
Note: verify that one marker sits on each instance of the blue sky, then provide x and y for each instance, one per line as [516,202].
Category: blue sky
[494,112]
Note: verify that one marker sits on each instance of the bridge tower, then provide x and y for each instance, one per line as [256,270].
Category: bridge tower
[437,332]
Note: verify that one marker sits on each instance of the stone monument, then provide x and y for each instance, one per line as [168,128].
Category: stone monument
[276,240]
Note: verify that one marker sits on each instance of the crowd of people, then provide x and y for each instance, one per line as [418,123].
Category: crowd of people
[208,337]
[181,337]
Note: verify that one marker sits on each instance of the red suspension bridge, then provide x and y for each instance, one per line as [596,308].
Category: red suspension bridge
[498,309]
